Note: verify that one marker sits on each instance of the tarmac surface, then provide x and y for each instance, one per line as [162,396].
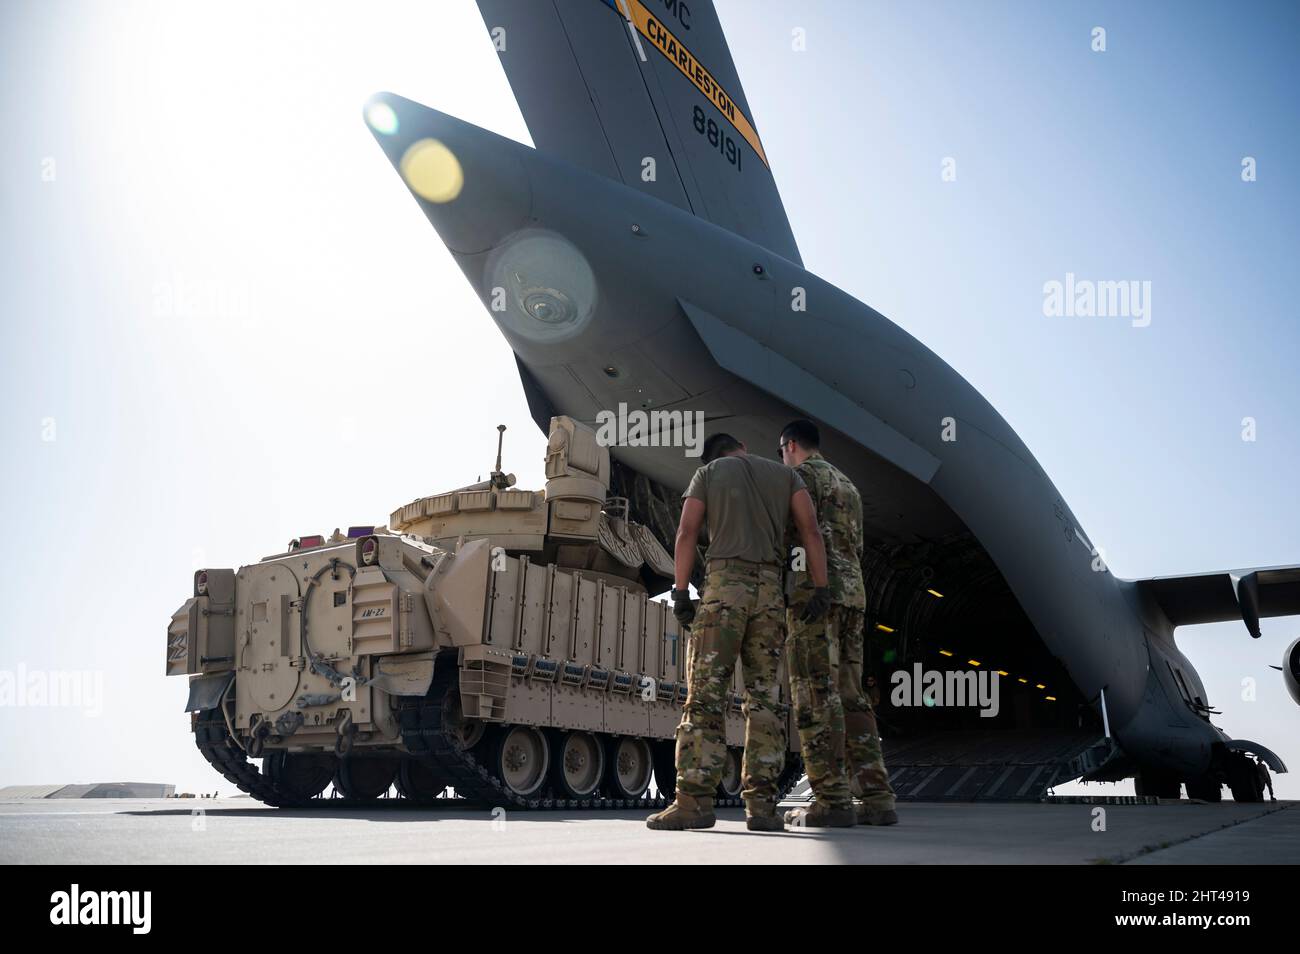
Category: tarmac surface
[240,830]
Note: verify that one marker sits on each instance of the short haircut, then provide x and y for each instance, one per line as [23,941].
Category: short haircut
[804,433]
[717,445]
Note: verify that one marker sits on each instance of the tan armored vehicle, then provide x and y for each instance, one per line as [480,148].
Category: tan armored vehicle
[495,641]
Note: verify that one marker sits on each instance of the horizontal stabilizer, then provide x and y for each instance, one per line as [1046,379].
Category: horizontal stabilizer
[1247,595]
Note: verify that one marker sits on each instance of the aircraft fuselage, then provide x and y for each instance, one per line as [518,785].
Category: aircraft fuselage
[610,297]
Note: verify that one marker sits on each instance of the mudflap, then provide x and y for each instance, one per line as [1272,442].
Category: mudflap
[207,691]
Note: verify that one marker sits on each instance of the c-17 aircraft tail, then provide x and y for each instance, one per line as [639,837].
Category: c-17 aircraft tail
[644,92]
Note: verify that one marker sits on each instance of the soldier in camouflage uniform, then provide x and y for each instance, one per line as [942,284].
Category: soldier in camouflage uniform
[746,502]
[837,726]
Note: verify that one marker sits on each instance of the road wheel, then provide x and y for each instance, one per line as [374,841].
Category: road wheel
[630,768]
[468,733]
[732,782]
[522,759]
[665,766]
[579,764]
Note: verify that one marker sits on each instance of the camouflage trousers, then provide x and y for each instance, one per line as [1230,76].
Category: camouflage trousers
[740,616]
[836,724]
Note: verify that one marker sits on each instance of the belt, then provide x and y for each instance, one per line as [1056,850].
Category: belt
[711,565]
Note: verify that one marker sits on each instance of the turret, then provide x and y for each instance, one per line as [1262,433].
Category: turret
[572,523]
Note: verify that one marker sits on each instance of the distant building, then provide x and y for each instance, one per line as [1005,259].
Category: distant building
[93,790]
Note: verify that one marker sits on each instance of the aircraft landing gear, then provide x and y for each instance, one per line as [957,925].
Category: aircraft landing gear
[1246,778]
[1205,789]
[1157,784]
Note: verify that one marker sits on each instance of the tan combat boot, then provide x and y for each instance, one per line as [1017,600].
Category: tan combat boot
[762,816]
[871,815]
[686,812]
[821,815]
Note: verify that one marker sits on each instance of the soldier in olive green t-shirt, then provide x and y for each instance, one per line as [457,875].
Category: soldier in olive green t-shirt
[746,505]
[745,502]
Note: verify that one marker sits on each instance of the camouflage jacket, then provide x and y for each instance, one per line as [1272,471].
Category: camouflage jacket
[839,514]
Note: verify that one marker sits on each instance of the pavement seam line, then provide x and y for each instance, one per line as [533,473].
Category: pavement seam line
[1152,849]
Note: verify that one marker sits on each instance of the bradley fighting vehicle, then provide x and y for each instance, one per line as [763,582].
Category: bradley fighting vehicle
[497,641]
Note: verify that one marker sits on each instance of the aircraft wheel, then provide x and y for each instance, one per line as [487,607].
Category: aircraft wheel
[364,779]
[1206,789]
[1157,784]
[417,782]
[299,775]
[1244,780]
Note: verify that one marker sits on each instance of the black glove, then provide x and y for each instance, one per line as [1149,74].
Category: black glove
[683,606]
[817,605]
